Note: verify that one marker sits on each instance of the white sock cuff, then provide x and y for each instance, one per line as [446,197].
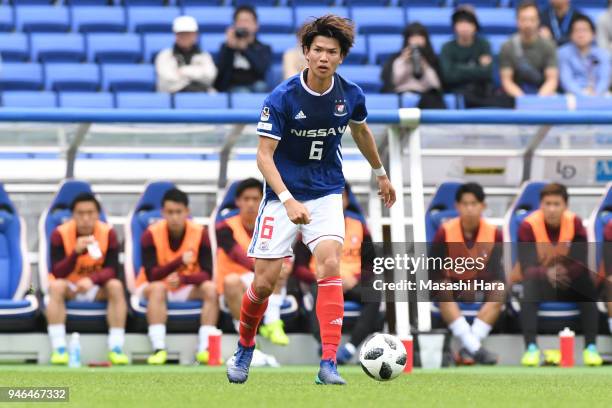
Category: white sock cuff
[481,328]
[459,327]
[56,329]
[116,331]
[610,323]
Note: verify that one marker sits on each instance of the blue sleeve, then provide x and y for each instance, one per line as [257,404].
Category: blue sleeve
[603,83]
[271,119]
[360,113]
[566,77]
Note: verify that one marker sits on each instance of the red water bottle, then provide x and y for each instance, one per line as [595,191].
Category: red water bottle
[407,342]
[566,339]
[214,348]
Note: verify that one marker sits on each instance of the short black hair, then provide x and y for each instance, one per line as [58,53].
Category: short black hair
[83,198]
[472,188]
[248,183]
[554,189]
[581,17]
[176,196]
[245,7]
[525,4]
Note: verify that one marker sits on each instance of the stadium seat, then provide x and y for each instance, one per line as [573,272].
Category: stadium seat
[381,46]
[366,76]
[6,19]
[42,19]
[146,212]
[86,100]
[151,19]
[29,99]
[56,47]
[379,3]
[382,101]
[438,41]
[527,201]
[56,214]
[154,43]
[188,3]
[212,43]
[211,19]
[359,52]
[72,77]
[274,76]
[600,217]
[16,305]
[592,13]
[593,103]
[97,19]
[496,41]
[143,100]
[497,20]
[305,13]
[409,100]
[420,3]
[86,3]
[479,3]
[21,77]
[114,48]
[275,20]
[279,43]
[378,20]
[14,47]
[255,3]
[143,3]
[128,78]
[535,102]
[247,100]
[437,20]
[201,101]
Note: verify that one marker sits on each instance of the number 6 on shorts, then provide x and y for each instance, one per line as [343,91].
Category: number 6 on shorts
[267,228]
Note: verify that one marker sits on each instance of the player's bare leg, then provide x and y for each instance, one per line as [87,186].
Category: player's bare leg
[157,314]
[207,292]
[116,314]
[329,307]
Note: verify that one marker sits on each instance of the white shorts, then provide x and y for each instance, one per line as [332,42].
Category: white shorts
[88,296]
[275,234]
[179,295]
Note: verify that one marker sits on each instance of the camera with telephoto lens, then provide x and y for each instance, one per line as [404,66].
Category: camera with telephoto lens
[416,58]
[242,33]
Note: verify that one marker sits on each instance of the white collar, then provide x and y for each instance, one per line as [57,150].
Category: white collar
[310,91]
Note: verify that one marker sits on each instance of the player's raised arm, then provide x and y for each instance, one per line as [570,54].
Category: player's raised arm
[367,146]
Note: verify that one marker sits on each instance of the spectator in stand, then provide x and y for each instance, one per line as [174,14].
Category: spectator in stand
[584,68]
[243,59]
[184,67]
[556,20]
[528,62]
[604,30]
[415,69]
[294,61]
[467,65]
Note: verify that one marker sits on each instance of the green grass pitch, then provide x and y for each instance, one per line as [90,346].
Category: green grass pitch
[292,387]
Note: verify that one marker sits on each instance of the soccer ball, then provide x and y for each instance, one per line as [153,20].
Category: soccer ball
[383,357]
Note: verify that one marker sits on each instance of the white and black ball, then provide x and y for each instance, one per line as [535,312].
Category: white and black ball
[383,357]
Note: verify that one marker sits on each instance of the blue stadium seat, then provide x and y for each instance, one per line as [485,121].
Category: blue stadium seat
[535,102]
[479,3]
[143,3]
[311,3]
[21,77]
[14,47]
[366,76]
[382,101]
[255,3]
[379,20]
[154,43]
[211,19]
[381,46]
[305,13]
[72,77]
[438,41]
[151,19]
[380,3]
[114,48]
[42,19]
[212,43]
[437,20]
[143,100]
[279,43]
[146,212]
[593,103]
[592,13]
[29,99]
[56,214]
[86,100]
[201,101]
[247,100]
[409,100]
[497,20]
[6,19]
[275,19]
[274,76]
[128,78]
[527,201]
[30,2]
[359,52]
[496,41]
[55,47]
[15,273]
[420,3]
[188,3]
[98,19]
[86,3]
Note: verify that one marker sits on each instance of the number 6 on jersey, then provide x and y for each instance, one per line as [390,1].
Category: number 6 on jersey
[316,150]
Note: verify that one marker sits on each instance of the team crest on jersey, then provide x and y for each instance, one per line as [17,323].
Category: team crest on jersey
[265,114]
[340,108]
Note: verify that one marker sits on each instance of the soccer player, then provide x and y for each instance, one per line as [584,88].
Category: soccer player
[607,253]
[177,266]
[235,268]
[84,265]
[470,236]
[552,253]
[299,155]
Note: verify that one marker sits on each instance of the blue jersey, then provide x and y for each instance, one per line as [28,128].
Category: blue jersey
[309,128]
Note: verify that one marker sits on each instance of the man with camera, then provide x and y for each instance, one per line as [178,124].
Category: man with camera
[243,60]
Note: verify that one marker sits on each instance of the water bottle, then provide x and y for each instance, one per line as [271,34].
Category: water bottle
[566,340]
[74,351]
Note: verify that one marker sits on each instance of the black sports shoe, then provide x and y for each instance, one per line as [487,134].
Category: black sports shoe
[481,356]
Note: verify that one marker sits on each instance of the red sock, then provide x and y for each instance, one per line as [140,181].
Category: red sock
[251,312]
[330,310]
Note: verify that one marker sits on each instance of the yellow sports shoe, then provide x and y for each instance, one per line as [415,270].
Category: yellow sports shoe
[158,358]
[531,357]
[118,357]
[202,357]
[275,332]
[59,357]
[552,357]
[591,356]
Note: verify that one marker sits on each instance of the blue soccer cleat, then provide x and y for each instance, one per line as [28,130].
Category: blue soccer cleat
[328,374]
[238,367]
